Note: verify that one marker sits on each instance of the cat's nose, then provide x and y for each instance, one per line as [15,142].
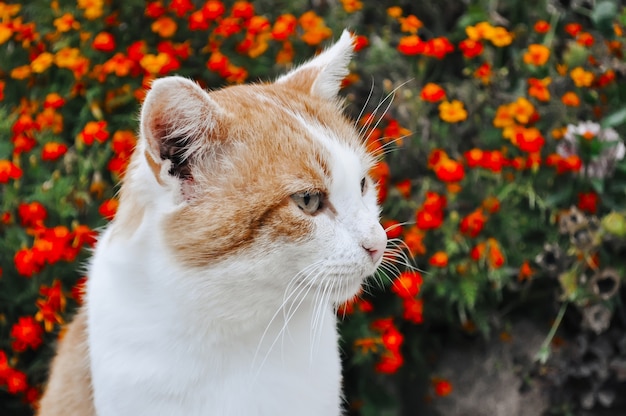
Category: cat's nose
[376,246]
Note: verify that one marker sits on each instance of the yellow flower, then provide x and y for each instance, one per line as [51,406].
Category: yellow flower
[42,62]
[482,30]
[5,32]
[581,77]
[67,57]
[522,110]
[154,63]
[501,37]
[93,8]
[452,111]
[8,10]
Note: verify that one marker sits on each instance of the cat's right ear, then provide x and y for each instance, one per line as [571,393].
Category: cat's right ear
[178,119]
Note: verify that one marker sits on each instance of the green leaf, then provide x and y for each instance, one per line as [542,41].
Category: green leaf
[614,119]
[469,292]
[602,17]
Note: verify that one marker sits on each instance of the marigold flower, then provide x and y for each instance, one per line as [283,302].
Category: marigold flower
[501,37]
[438,47]
[449,170]
[432,92]
[227,27]
[482,30]
[407,284]
[42,62]
[394,11]
[213,9]
[523,110]
[393,228]
[442,387]
[471,48]
[570,99]
[16,381]
[48,315]
[495,257]
[181,7]
[410,24]
[21,72]
[108,208]
[164,26]
[528,139]
[360,42]
[452,111]
[536,55]
[426,220]
[491,204]
[573,29]
[541,26]
[284,27]
[525,272]
[351,6]
[588,202]
[9,170]
[93,8]
[413,310]
[27,333]
[411,45]
[119,64]
[414,240]
[473,223]
[585,39]
[439,259]
[315,30]
[538,88]
[581,77]
[104,42]
[52,151]
[404,187]
[390,362]
[94,131]
[198,21]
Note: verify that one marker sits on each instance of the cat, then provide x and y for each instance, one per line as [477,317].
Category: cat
[246,215]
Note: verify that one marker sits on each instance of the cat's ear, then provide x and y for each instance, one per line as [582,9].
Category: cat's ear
[322,75]
[178,118]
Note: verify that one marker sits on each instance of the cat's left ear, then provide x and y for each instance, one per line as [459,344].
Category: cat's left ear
[322,75]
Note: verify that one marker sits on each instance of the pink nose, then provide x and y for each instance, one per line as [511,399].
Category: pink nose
[375,251]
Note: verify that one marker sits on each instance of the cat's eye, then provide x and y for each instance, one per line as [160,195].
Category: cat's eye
[309,202]
[363,186]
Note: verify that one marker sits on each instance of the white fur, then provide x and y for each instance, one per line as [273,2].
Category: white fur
[243,336]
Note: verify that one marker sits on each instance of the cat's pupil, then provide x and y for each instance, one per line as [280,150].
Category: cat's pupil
[363,185]
[306,199]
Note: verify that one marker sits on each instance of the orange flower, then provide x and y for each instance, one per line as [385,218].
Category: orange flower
[570,99]
[154,64]
[483,73]
[432,92]
[351,6]
[522,110]
[9,170]
[501,37]
[213,9]
[93,8]
[482,30]
[438,47]
[394,11]
[525,272]
[315,30]
[21,72]
[52,151]
[104,42]
[439,259]
[536,54]
[528,139]
[414,240]
[410,24]
[491,204]
[585,39]
[411,45]
[164,26]
[538,88]
[449,170]
[65,23]
[495,257]
[452,111]
[581,77]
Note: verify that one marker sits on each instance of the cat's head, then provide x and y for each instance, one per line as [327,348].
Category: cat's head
[269,179]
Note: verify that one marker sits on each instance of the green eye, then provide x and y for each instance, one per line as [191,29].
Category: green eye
[309,202]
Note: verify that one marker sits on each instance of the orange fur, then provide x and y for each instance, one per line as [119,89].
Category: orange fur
[69,392]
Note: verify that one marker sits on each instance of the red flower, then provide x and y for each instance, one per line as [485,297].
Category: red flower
[438,47]
[155,9]
[393,229]
[26,262]
[94,130]
[243,10]
[27,333]
[52,151]
[411,45]
[284,27]
[426,220]
[472,224]
[541,26]
[449,170]
[439,259]
[78,291]
[108,208]
[528,139]
[407,284]
[8,170]
[181,7]
[412,310]
[432,92]
[471,48]
[104,42]
[442,387]
[573,29]
[588,202]
[32,214]
[434,202]
[390,362]
[16,381]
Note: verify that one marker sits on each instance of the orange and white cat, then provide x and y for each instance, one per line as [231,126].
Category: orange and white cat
[246,215]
